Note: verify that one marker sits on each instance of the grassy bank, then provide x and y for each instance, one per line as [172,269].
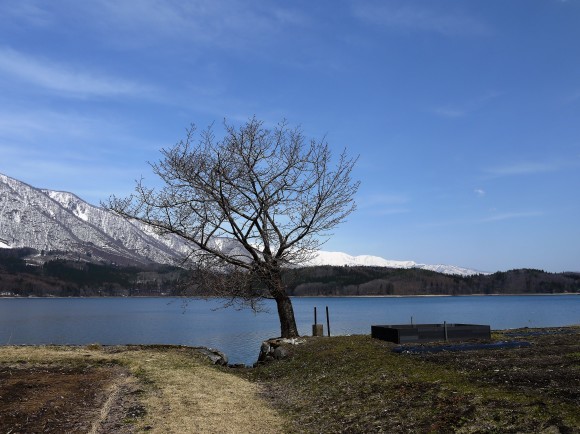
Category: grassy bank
[357,384]
[349,384]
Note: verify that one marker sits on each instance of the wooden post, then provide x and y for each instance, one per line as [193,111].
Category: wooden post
[327,322]
[445,329]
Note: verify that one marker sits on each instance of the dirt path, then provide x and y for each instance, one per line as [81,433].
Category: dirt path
[191,397]
[124,390]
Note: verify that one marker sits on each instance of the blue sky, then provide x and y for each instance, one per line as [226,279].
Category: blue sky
[465,114]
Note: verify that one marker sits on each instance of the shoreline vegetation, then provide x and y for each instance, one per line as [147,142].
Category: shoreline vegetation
[24,273]
[343,384]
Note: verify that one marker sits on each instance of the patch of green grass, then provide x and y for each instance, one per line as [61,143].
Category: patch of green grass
[357,384]
[574,356]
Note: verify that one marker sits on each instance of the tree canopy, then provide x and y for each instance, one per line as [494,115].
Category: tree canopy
[248,204]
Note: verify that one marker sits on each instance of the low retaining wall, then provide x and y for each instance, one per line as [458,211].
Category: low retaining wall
[404,333]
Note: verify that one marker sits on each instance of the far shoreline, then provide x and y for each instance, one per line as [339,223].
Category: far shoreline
[433,295]
[542,294]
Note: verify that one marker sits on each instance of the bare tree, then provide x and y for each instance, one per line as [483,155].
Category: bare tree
[250,204]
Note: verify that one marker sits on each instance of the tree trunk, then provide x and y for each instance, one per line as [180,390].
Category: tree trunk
[286,314]
[272,276]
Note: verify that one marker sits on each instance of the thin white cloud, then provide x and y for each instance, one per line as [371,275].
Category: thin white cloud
[384,204]
[199,23]
[406,16]
[33,125]
[521,168]
[391,211]
[573,97]
[91,157]
[524,168]
[65,79]
[90,181]
[450,112]
[494,217]
[11,12]
[480,192]
[46,135]
[466,108]
[377,200]
[38,126]
[443,223]
[511,216]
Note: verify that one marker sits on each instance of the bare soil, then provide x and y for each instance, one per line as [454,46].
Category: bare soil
[71,399]
[125,389]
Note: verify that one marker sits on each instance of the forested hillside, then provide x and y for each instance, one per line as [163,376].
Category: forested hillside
[65,277]
[25,272]
[353,281]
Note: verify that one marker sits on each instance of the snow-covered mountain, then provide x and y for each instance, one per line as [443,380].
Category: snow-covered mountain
[341,259]
[59,221]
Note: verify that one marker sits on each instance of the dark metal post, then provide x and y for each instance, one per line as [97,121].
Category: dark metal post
[445,329]
[315,321]
[327,322]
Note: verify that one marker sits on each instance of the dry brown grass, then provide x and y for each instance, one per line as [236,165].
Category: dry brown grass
[188,396]
[179,390]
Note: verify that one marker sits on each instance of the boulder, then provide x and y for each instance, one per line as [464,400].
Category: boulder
[215,356]
[277,349]
[281,353]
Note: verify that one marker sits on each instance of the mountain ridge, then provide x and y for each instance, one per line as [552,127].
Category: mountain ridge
[46,221]
[342,259]
[50,220]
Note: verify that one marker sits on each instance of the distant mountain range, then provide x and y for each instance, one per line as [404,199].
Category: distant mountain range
[48,220]
[341,259]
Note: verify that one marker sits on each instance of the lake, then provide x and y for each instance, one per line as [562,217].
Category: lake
[239,333]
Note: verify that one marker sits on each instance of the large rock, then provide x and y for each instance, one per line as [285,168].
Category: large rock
[281,353]
[215,356]
[277,349]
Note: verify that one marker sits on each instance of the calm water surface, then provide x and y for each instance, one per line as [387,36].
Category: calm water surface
[240,333]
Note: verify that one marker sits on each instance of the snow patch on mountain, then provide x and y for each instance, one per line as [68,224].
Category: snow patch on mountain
[450,269]
[68,200]
[343,259]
